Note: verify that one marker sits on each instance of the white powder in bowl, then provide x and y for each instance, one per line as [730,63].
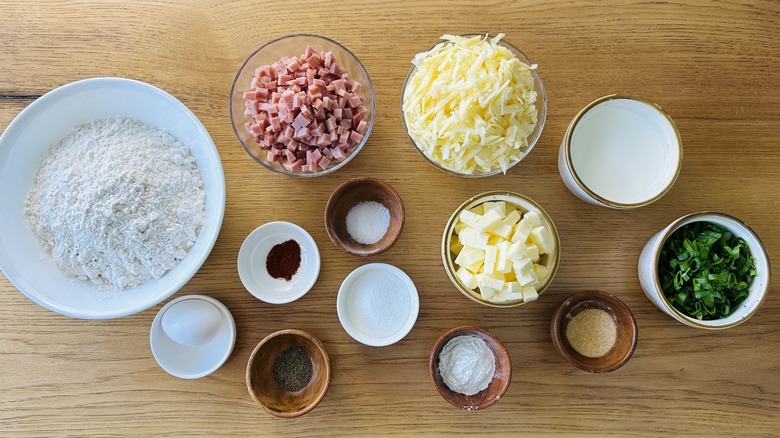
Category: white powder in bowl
[367,222]
[118,202]
[467,365]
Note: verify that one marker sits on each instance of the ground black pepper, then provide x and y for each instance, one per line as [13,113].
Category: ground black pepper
[283,260]
[293,369]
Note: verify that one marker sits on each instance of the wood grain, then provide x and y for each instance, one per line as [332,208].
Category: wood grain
[713,65]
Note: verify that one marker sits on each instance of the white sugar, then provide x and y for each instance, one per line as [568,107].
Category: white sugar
[367,222]
[381,305]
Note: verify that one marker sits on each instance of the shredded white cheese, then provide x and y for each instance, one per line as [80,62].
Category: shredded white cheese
[470,104]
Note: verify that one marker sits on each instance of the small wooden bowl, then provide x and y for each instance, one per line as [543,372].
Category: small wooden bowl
[265,390]
[497,387]
[625,342]
[348,195]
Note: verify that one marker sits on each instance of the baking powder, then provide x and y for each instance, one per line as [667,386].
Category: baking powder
[466,364]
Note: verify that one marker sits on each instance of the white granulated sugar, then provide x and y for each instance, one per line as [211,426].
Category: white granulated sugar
[381,305]
[367,222]
[117,202]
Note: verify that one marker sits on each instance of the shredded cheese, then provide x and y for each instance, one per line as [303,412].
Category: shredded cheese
[470,104]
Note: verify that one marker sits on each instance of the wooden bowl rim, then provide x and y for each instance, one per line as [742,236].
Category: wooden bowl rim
[611,301]
[330,206]
[326,371]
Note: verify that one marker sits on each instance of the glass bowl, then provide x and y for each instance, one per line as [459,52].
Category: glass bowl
[294,45]
[533,137]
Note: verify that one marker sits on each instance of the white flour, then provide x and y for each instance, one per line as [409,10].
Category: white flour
[117,202]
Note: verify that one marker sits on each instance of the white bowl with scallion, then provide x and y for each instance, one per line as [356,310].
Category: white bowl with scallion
[707,270]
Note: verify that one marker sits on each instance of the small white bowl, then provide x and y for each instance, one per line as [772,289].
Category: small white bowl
[620,152]
[253,254]
[192,362]
[360,308]
[651,284]
[24,145]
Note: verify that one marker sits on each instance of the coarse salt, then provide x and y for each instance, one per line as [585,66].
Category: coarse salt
[367,222]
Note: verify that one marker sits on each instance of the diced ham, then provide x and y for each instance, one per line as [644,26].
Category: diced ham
[338,154]
[355,136]
[305,112]
[324,162]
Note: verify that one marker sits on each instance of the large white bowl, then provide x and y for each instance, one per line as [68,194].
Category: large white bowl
[23,146]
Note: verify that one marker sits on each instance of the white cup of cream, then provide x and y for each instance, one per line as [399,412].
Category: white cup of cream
[620,152]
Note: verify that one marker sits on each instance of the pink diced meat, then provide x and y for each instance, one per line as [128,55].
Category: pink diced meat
[305,112]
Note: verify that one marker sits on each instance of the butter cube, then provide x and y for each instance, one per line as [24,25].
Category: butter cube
[479,209]
[469,218]
[498,298]
[526,278]
[491,254]
[516,251]
[511,286]
[532,252]
[541,272]
[502,230]
[499,206]
[467,278]
[512,218]
[522,231]
[489,220]
[529,293]
[455,245]
[473,238]
[543,239]
[503,264]
[533,218]
[487,293]
[475,267]
[514,296]
[523,265]
[489,282]
[468,256]
[459,226]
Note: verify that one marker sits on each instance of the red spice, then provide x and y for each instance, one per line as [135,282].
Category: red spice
[283,260]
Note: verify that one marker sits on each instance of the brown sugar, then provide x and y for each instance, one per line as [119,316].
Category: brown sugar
[592,332]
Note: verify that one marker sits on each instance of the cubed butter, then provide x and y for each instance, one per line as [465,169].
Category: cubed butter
[529,293]
[467,278]
[523,265]
[541,271]
[532,252]
[522,231]
[489,220]
[491,254]
[487,293]
[516,251]
[501,230]
[455,245]
[512,218]
[469,218]
[473,238]
[490,282]
[533,218]
[499,206]
[542,237]
[527,277]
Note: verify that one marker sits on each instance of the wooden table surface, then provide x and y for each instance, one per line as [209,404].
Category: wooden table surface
[713,65]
